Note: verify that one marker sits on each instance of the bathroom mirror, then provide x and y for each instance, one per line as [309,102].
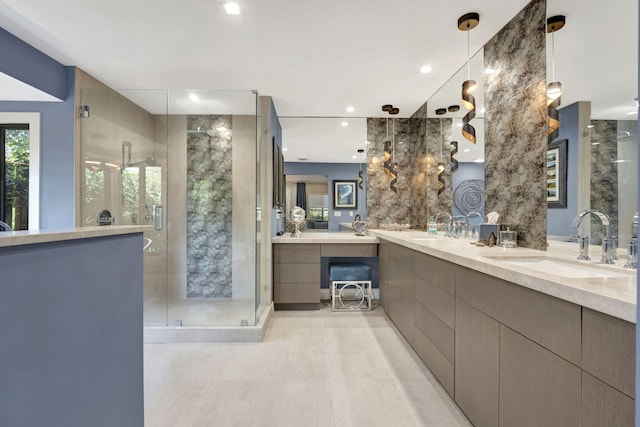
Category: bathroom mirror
[595,57]
[327,147]
[457,191]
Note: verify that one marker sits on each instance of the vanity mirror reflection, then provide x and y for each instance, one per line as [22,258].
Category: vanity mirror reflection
[457,189]
[327,148]
[595,56]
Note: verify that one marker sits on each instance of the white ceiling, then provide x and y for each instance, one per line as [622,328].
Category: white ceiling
[315,60]
[16,90]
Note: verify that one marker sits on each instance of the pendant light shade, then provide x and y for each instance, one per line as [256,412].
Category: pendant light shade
[468,22]
[554,89]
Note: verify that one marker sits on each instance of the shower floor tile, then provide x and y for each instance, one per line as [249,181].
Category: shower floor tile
[313,368]
[199,312]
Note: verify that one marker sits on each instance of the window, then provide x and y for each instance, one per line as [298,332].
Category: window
[14,175]
[318,209]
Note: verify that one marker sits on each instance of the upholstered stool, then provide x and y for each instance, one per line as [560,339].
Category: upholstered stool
[350,287]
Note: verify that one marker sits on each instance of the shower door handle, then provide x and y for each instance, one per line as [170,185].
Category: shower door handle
[157,217]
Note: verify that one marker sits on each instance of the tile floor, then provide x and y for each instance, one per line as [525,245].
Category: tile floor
[314,368]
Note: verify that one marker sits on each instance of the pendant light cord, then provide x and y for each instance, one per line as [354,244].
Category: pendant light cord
[393,139]
[468,55]
[553,57]
[441,141]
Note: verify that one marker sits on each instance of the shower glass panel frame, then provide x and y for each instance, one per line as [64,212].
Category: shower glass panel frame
[195,154]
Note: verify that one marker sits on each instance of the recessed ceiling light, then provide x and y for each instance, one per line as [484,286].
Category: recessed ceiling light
[425,69]
[631,113]
[459,125]
[350,109]
[344,124]
[354,157]
[483,110]
[232,8]
[590,126]
[194,97]
[466,150]
[285,149]
[479,160]
[400,142]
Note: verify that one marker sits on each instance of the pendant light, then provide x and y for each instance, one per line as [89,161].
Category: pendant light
[468,22]
[389,165]
[360,176]
[554,90]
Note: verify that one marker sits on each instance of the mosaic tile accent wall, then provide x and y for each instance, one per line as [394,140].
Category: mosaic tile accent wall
[439,136]
[409,204]
[604,174]
[515,125]
[209,197]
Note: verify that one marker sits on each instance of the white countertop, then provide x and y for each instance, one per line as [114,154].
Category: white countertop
[18,238]
[325,237]
[615,296]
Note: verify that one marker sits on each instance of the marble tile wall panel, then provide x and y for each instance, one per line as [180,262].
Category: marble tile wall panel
[409,204]
[515,125]
[439,136]
[604,174]
[209,207]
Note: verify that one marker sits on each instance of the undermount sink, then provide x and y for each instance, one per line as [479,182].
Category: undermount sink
[558,267]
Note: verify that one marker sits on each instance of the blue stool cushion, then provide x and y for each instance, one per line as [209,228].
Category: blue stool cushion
[352,271]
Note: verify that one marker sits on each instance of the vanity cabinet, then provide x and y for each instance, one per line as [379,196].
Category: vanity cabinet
[434,316]
[477,363]
[509,355]
[297,270]
[296,276]
[399,290]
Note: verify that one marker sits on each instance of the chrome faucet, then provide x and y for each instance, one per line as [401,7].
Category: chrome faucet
[449,224]
[607,241]
[469,215]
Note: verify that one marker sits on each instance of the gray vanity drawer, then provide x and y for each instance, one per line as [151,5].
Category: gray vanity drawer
[438,301]
[553,323]
[608,350]
[603,405]
[349,250]
[439,365]
[434,329]
[297,293]
[297,273]
[296,254]
[436,272]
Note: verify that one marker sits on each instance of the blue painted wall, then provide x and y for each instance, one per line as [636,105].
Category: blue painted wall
[57,124]
[333,171]
[27,64]
[559,219]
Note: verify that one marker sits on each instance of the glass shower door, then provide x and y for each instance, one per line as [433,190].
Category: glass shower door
[124,177]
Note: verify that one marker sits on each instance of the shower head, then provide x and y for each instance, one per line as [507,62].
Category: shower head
[151,161]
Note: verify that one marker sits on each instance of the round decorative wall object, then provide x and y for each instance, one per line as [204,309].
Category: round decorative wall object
[469,196]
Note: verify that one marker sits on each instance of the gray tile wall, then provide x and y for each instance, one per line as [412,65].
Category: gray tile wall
[515,125]
[604,174]
[209,207]
[409,204]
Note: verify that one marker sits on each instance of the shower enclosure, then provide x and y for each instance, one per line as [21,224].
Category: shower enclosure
[186,163]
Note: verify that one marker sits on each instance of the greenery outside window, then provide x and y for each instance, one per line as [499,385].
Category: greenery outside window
[14,175]
[318,207]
